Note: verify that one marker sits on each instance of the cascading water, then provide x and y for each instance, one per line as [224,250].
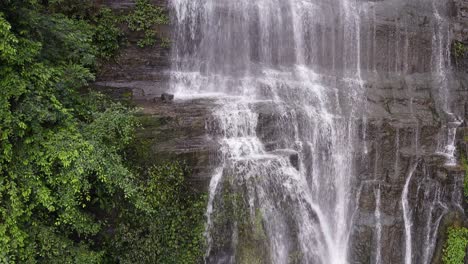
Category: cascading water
[433,206]
[288,79]
[441,66]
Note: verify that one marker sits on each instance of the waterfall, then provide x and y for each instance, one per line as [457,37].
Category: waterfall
[441,65]
[289,81]
[407,217]
[378,226]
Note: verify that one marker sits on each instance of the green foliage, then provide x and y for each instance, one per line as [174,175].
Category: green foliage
[65,179]
[455,247]
[108,36]
[171,231]
[165,42]
[81,9]
[235,214]
[295,257]
[458,49]
[465,180]
[144,18]
[103,23]
[7,41]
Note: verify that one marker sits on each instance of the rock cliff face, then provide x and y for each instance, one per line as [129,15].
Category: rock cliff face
[400,135]
[460,29]
[404,129]
[173,130]
[143,70]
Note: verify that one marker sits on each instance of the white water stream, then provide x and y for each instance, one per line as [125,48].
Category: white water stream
[288,78]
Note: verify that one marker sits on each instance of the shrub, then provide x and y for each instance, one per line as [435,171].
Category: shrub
[455,247]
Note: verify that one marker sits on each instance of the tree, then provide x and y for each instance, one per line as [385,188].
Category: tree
[58,144]
[68,191]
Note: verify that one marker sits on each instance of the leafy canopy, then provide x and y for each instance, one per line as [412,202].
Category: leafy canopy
[56,145]
[68,192]
[456,245]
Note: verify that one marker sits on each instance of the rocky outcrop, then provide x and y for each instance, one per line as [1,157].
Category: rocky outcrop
[403,130]
[171,129]
[143,70]
[175,131]
[400,133]
[460,31]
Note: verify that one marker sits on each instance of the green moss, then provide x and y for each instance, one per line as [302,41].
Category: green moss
[455,247]
[249,255]
[259,231]
[459,49]
[165,42]
[234,215]
[295,257]
[252,248]
[465,181]
[127,95]
[150,121]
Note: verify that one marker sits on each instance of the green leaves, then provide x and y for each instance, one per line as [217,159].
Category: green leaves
[7,41]
[107,36]
[57,147]
[144,18]
[66,40]
[146,15]
[464,163]
[78,9]
[456,245]
[67,194]
[113,127]
[458,50]
[169,228]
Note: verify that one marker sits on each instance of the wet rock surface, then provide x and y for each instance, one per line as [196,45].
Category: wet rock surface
[143,70]
[167,98]
[399,135]
[176,132]
[460,31]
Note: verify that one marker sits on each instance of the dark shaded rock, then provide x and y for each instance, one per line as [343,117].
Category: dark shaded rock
[177,132]
[292,155]
[167,98]
[294,159]
[144,70]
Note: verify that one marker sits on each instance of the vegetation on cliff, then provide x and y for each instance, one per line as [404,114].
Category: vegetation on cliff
[69,192]
[459,50]
[464,163]
[455,248]
[144,18]
[456,243]
[171,232]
